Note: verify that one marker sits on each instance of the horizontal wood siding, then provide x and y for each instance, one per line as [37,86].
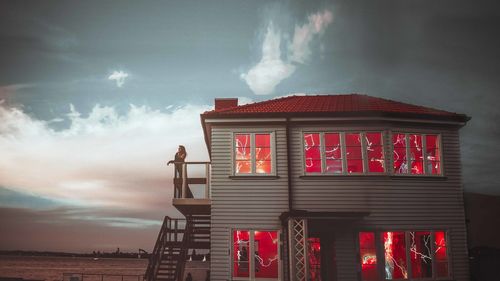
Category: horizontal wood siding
[242,203]
[394,203]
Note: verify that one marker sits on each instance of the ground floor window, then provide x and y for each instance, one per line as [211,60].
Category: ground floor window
[403,255]
[255,254]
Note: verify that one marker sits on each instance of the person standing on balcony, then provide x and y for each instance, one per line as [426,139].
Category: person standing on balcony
[178,161]
[179,158]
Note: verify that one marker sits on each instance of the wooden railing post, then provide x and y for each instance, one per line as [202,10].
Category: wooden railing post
[184,180]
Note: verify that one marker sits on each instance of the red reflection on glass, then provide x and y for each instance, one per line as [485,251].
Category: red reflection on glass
[399,153]
[241,266]
[263,161]
[333,153]
[266,254]
[243,163]
[263,140]
[441,254]
[421,254]
[353,153]
[433,154]
[368,256]
[375,152]
[312,153]
[416,154]
[314,254]
[395,255]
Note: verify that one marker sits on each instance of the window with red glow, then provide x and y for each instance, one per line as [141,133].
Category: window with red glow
[399,154]
[395,255]
[266,254]
[333,153]
[312,152]
[421,254]
[416,154]
[255,254]
[433,151]
[344,153]
[253,153]
[243,154]
[375,152]
[424,252]
[353,153]
[263,153]
[368,256]
[241,255]
[441,254]
[314,255]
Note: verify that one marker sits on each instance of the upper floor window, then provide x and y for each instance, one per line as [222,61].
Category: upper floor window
[344,153]
[416,154]
[253,153]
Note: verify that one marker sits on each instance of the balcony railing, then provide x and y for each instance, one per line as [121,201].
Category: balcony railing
[199,174]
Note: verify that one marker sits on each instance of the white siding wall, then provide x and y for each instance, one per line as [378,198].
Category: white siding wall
[242,203]
[394,203]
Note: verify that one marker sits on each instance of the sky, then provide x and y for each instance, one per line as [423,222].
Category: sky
[95,96]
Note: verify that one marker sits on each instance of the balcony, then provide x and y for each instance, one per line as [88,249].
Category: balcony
[192,188]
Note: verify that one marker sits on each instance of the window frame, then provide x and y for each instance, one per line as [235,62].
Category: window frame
[251,257]
[424,154]
[252,134]
[380,251]
[343,147]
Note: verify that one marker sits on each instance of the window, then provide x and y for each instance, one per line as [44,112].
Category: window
[343,153]
[255,255]
[416,154]
[253,153]
[368,255]
[406,254]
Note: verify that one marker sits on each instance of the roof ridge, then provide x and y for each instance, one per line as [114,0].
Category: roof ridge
[278,99]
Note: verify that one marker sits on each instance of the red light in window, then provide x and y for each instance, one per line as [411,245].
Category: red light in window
[395,255]
[312,152]
[368,256]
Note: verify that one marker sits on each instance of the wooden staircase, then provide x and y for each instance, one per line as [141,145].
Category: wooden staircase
[176,238]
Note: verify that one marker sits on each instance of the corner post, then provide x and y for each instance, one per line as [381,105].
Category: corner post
[184,180]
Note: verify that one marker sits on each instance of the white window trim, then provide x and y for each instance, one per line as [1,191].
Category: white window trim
[252,134]
[344,153]
[251,258]
[408,154]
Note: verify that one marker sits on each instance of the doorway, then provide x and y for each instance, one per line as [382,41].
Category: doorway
[321,257]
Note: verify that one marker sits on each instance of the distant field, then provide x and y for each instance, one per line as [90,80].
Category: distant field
[52,268]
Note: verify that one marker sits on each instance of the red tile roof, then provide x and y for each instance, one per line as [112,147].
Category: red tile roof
[332,106]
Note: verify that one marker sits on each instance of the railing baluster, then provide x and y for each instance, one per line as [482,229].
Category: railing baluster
[184,180]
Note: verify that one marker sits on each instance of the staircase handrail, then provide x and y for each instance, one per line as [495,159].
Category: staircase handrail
[184,251]
[164,236]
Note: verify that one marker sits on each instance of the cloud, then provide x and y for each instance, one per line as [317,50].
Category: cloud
[119,77]
[299,49]
[103,160]
[263,77]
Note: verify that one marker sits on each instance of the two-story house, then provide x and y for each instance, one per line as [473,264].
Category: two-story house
[326,187]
